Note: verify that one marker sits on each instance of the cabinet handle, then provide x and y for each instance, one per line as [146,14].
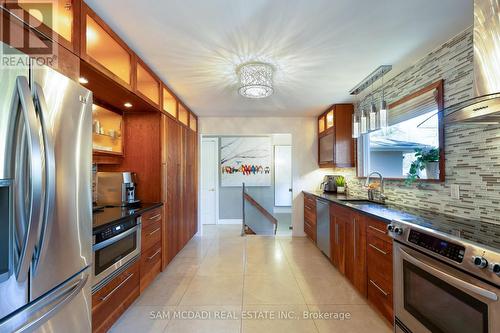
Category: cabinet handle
[377,229]
[155,218]
[336,233]
[105,298]
[354,242]
[380,289]
[154,231]
[376,248]
[154,255]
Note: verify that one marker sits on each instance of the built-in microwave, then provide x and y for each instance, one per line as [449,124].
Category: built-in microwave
[114,246]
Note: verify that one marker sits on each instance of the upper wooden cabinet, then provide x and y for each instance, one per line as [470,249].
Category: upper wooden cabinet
[169,103]
[107,131]
[193,122]
[58,20]
[101,47]
[335,143]
[183,115]
[147,85]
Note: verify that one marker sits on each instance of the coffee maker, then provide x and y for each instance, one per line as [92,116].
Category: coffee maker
[116,188]
[329,184]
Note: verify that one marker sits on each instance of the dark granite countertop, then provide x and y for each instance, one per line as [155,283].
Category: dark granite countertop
[475,231]
[109,215]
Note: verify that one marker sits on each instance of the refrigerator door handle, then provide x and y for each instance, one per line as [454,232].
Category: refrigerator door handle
[45,307]
[50,175]
[29,137]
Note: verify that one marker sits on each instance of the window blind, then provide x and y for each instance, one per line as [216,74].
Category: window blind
[415,107]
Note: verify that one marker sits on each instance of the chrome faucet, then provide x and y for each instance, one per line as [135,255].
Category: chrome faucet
[371,196]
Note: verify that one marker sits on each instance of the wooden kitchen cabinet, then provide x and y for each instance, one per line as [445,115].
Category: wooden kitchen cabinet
[379,267]
[355,252]
[335,143]
[151,248]
[310,216]
[339,219]
[58,20]
[169,102]
[103,49]
[147,84]
[109,302]
[107,131]
[183,114]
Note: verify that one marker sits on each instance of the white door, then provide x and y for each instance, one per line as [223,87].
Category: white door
[209,180]
[282,176]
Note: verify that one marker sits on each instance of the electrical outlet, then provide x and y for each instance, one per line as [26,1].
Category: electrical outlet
[455,191]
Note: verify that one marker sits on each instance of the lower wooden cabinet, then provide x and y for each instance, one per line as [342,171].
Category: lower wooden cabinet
[361,249]
[151,246]
[150,265]
[109,302]
[379,267]
[310,216]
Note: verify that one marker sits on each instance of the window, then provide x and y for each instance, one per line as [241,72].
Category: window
[414,126]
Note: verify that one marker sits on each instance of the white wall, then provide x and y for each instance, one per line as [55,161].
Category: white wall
[305,172]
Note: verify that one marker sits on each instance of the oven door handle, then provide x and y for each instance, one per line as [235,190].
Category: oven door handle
[456,282]
[115,239]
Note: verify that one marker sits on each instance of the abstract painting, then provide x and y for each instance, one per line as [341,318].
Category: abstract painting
[245,160]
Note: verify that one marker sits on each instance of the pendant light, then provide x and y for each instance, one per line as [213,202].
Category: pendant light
[383,112]
[372,115]
[363,123]
[355,123]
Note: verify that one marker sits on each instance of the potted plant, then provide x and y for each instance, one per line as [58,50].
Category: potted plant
[340,182]
[427,159]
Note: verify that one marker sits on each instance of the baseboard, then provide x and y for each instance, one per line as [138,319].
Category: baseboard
[230,221]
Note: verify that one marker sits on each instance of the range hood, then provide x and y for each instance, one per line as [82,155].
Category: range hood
[485,106]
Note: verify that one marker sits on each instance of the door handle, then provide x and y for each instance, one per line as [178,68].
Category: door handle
[456,282]
[27,143]
[41,310]
[50,174]
[354,236]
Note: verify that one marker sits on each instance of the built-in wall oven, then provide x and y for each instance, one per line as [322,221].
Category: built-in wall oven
[114,246]
[443,284]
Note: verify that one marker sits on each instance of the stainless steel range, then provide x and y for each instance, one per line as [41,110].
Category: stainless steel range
[443,281]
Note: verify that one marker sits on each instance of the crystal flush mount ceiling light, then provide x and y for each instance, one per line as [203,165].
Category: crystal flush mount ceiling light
[256,79]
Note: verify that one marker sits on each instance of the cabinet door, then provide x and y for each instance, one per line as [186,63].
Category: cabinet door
[147,85]
[103,49]
[59,20]
[326,149]
[339,218]
[357,258]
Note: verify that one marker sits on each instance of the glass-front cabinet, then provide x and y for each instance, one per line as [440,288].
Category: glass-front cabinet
[193,122]
[107,131]
[169,103]
[183,115]
[102,48]
[52,18]
[147,85]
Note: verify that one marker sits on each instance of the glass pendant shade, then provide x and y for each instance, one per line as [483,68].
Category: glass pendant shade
[382,114]
[256,80]
[363,123]
[355,126]
[373,117]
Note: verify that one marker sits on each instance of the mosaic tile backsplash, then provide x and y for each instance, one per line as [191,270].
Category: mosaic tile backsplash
[472,151]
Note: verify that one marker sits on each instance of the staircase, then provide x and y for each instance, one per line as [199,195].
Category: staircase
[257,220]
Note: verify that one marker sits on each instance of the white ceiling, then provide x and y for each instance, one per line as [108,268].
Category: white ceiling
[320,48]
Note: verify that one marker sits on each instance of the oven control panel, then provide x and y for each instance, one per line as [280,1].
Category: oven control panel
[114,230]
[442,247]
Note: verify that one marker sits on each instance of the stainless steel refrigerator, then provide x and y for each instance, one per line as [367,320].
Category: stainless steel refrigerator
[45,200]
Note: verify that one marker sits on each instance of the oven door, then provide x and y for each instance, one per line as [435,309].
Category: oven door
[115,252]
[430,296]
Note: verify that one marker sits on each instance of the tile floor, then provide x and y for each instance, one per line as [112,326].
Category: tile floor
[221,282]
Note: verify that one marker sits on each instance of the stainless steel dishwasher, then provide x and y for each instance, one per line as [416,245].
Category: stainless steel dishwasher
[323,226]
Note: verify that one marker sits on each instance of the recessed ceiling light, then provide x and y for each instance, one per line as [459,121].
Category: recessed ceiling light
[83,80]
[127,105]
